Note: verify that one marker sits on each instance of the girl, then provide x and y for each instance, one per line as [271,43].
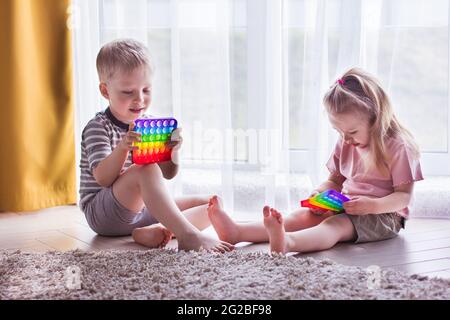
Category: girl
[375,163]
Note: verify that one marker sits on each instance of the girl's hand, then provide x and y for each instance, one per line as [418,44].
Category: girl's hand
[176,140]
[129,138]
[317,212]
[359,205]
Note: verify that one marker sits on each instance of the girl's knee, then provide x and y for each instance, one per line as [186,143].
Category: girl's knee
[302,219]
[342,225]
[337,219]
[300,213]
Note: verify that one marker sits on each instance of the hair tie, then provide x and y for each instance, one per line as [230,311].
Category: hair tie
[341,81]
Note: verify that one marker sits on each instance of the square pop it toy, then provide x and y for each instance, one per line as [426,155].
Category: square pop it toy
[155,133]
[328,200]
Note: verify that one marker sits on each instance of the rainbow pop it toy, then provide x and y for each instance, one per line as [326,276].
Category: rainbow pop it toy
[155,133]
[328,200]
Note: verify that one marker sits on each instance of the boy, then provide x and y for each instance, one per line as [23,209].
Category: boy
[117,197]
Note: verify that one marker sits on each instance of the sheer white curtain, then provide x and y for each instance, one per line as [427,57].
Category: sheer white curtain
[403,43]
[245,79]
[233,133]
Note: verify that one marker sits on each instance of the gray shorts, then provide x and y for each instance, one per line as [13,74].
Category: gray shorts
[107,217]
[375,227]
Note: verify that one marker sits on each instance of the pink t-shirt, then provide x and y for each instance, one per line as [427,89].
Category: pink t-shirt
[346,160]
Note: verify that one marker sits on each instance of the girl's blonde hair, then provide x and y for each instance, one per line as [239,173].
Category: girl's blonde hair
[358,91]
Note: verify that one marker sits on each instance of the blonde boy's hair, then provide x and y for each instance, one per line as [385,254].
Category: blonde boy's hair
[123,55]
[357,91]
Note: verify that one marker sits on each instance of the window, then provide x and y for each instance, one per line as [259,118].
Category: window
[405,42]
[189,76]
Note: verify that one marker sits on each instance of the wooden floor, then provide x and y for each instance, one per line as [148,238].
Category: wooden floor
[423,248]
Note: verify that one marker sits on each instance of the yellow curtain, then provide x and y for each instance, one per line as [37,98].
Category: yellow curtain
[37,155]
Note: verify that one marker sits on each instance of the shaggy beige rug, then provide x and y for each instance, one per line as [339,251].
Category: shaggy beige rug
[166,274]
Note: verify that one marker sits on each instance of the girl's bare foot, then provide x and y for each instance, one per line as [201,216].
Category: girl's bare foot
[154,236]
[198,241]
[226,229]
[273,221]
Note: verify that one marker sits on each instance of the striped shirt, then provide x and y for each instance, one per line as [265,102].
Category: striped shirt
[99,138]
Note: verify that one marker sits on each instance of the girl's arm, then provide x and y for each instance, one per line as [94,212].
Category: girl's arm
[335,181]
[396,201]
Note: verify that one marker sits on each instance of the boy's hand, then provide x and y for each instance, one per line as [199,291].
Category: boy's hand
[359,205]
[318,212]
[176,140]
[129,138]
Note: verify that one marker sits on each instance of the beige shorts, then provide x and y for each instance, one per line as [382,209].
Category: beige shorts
[107,217]
[376,227]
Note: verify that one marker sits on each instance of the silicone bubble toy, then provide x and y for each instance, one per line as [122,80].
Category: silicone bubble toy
[155,133]
[327,200]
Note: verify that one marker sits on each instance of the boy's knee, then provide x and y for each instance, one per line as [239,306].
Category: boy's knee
[132,171]
[137,172]
[151,169]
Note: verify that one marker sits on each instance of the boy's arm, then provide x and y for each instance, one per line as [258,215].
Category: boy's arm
[107,171]
[170,168]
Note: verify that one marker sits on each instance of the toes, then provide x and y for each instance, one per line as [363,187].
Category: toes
[279,217]
[218,248]
[212,202]
[168,234]
[164,242]
[223,249]
[217,201]
[266,211]
[227,246]
[272,211]
[276,214]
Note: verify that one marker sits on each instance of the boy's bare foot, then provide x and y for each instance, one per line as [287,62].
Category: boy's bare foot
[198,241]
[273,221]
[154,236]
[226,229]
